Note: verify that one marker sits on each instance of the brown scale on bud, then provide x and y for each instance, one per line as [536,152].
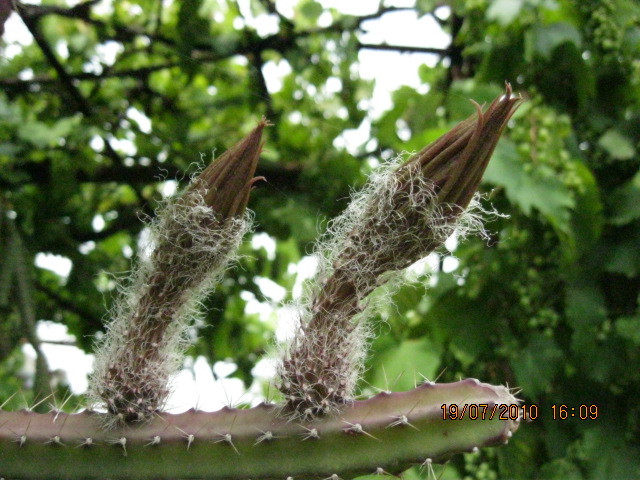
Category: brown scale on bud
[194,238]
[404,213]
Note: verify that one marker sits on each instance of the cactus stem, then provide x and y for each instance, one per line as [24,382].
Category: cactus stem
[190,437]
[356,428]
[356,441]
[227,438]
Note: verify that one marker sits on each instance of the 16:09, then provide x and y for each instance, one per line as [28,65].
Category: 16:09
[583,412]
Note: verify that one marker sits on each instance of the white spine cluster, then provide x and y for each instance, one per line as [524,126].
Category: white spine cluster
[190,247]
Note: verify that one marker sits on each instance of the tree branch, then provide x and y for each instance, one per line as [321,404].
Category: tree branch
[27,308]
[142,73]
[40,173]
[80,102]
[82,12]
[280,42]
[404,48]
[69,343]
[261,84]
[67,305]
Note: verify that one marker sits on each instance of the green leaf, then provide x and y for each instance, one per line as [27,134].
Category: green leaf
[617,145]
[9,149]
[191,27]
[587,217]
[459,103]
[598,359]
[114,244]
[607,454]
[402,366]
[310,10]
[425,6]
[527,190]
[504,11]
[625,202]
[542,40]
[297,216]
[623,256]
[465,323]
[537,364]
[629,328]
[43,135]
[585,302]
[631,41]
[560,469]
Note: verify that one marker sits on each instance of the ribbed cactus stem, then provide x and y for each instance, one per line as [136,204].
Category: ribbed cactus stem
[386,433]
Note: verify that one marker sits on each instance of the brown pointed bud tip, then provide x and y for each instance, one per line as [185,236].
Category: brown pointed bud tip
[227,182]
[455,162]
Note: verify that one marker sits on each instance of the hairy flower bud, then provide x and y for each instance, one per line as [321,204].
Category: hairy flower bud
[404,213]
[456,161]
[193,239]
[227,181]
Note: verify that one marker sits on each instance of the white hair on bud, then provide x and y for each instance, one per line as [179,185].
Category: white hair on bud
[385,228]
[190,248]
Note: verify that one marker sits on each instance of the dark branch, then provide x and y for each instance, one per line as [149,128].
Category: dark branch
[284,177]
[80,102]
[67,83]
[261,84]
[270,7]
[141,73]
[66,304]
[404,48]
[280,42]
[82,12]
[69,343]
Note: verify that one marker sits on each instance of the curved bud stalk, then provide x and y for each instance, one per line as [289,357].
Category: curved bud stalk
[386,433]
[193,239]
[404,213]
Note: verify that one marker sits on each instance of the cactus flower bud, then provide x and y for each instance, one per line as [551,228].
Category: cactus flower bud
[456,161]
[193,239]
[404,213]
[229,179]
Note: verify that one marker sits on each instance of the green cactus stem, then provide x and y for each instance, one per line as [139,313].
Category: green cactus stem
[384,434]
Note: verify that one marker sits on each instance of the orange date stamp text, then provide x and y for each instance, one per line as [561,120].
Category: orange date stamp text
[515,412]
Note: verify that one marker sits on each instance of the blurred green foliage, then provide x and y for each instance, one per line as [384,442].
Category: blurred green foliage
[548,304]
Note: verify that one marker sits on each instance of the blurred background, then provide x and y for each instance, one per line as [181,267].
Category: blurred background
[108,106]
